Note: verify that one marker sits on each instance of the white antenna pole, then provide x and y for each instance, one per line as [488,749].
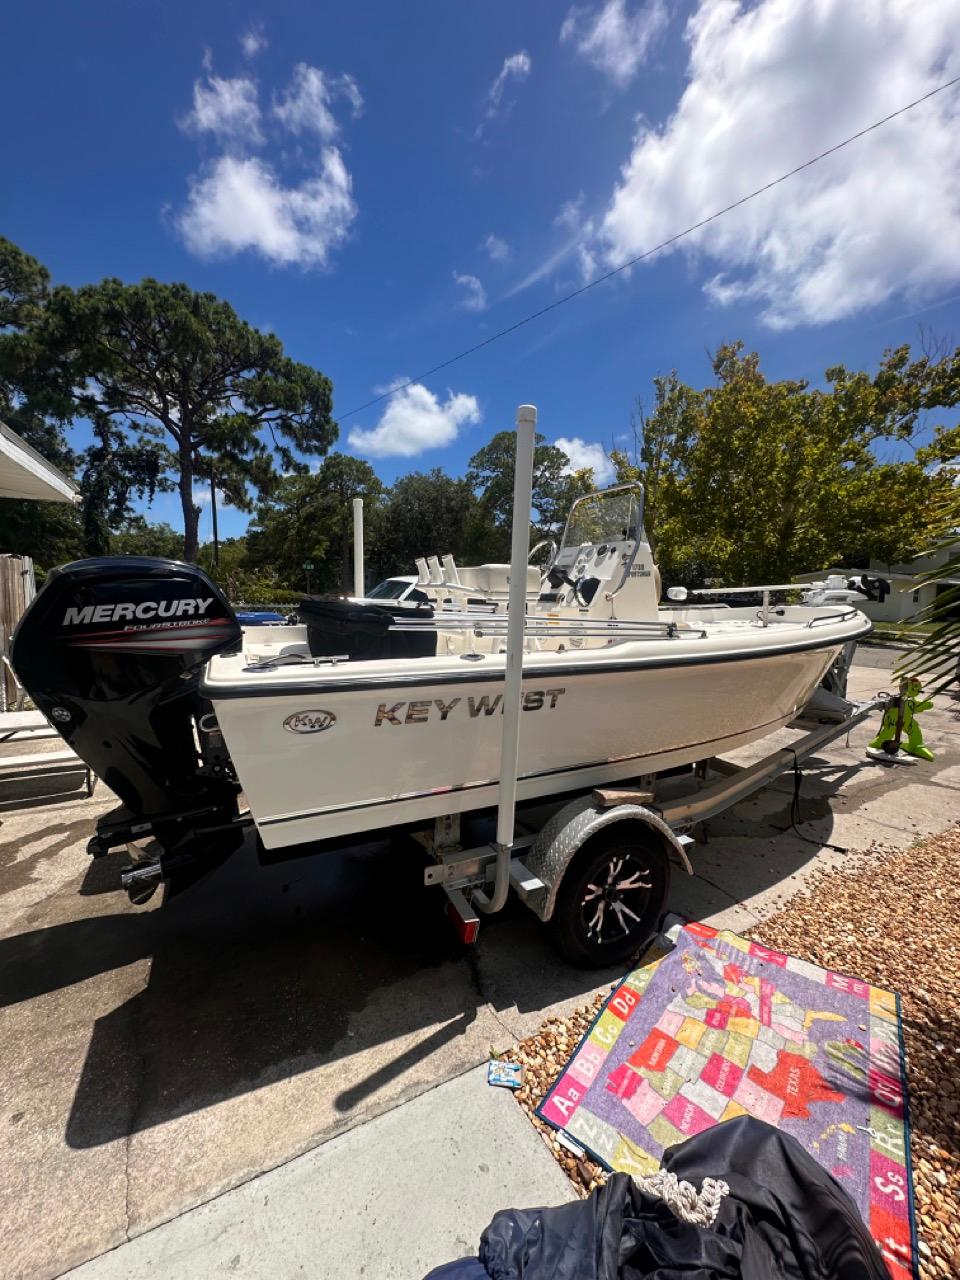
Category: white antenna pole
[358,586]
[513,683]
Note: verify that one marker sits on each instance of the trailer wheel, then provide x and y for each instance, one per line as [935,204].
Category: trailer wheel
[612,898]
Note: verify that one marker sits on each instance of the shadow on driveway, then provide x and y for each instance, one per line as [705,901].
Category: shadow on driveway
[261,973]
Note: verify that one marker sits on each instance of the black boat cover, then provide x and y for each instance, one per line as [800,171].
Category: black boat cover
[785,1218]
[362,631]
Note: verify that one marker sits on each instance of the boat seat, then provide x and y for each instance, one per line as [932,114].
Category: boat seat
[492,579]
[361,632]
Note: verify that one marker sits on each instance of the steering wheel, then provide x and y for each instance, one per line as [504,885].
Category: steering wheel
[557,576]
[544,542]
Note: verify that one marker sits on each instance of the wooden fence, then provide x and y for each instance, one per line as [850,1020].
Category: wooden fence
[17,588]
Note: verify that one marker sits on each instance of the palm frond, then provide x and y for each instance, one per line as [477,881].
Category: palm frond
[936,656]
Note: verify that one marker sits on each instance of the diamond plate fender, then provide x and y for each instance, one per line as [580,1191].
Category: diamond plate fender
[569,829]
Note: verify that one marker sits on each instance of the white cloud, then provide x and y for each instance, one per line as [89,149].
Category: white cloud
[201,496]
[253,41]
[516,67]
[578,231]
[571,213]
[229,109]
[475,296]
[388,388]
[587,262]
[582,454]
[415,420]
[348,88]
[548,266]
[306,104]
[497,249]
[768,86]
[241,204]
[615,41]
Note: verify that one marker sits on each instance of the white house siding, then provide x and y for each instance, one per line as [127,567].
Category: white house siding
[902,602]
[904,599]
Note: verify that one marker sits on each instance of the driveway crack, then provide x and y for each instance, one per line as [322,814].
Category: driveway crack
[485,998]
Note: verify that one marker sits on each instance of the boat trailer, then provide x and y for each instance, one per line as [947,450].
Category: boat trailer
[655,815]
[600,884]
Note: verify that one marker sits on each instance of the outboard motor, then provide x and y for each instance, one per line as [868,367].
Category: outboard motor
[112,651]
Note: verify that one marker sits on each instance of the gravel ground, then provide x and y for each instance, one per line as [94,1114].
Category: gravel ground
[892,917]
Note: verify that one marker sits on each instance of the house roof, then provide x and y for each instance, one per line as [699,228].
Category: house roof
[25,474]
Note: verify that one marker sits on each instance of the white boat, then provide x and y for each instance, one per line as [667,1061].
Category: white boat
[613,687]
[365,718]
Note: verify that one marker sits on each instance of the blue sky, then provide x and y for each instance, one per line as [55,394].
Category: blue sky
[383,185]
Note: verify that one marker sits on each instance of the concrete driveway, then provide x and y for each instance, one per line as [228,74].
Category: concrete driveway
[155,1057]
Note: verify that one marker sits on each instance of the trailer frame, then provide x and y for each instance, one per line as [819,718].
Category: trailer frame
[662,817]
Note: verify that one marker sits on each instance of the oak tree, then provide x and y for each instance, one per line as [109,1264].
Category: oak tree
[309,518]
[749,480]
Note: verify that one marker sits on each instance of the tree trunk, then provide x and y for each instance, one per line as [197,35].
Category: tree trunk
[191,512]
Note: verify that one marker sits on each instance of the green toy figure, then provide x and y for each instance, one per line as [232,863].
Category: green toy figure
[899,722]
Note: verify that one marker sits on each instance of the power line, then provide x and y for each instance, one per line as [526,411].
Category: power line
[648,253]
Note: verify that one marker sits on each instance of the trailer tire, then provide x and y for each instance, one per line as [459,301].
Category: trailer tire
[600,874]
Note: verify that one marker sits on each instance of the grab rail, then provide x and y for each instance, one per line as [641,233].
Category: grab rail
[496,624]
[840,615]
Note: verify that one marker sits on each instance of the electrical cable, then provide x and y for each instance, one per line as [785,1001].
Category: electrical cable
[796,817]
[648,253]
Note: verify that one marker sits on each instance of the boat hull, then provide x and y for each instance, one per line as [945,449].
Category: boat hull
[329,760]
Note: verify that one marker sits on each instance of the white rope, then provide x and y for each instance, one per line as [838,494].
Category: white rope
[690,1205]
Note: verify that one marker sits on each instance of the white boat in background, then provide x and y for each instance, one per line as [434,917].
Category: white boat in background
[401,587]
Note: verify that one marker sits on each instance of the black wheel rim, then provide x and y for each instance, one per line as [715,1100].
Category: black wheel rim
[615,899]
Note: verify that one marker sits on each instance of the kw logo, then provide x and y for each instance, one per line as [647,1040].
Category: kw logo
[309,721]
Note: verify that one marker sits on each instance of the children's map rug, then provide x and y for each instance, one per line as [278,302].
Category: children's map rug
[721,1027]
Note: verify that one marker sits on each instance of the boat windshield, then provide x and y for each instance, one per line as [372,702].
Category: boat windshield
[389,589]
[613,516]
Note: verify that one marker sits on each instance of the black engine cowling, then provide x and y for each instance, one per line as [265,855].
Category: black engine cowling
[111,651]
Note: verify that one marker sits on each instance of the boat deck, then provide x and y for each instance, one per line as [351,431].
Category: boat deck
[278,655]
